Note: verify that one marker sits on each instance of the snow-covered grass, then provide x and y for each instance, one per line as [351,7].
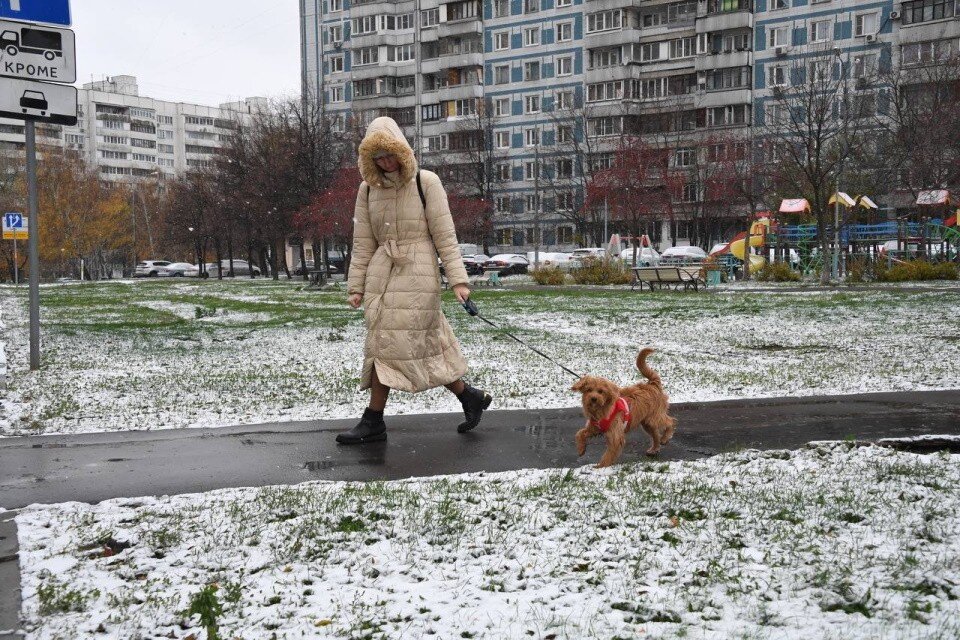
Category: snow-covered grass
[172,354]
[833,541]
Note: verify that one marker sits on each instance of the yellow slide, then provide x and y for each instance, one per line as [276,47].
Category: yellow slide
[758,231]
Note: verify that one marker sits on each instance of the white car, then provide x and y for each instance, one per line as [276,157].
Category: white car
[178,270]
[646,256]
[511,262]
[551,259]
[683,255]
[150,268]
[579,256]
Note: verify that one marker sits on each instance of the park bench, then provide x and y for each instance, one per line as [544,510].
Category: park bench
[318,278]
[669,277]
[490,278]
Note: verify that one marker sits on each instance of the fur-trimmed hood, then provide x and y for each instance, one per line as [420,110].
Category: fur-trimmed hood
[384,134]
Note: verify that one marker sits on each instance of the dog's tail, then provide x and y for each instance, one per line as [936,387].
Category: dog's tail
[652,376]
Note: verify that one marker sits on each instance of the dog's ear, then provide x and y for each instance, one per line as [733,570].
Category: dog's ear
[578,385]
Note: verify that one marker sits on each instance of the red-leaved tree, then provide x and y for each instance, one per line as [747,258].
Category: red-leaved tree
[329,216]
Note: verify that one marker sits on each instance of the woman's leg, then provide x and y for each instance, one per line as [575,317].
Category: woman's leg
[456,387]
[379,392]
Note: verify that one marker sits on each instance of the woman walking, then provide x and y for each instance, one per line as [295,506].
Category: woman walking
[401,223]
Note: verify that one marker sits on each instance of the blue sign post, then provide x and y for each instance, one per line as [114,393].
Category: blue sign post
[49,11]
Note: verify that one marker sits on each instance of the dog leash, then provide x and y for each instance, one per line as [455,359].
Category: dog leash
[471,307]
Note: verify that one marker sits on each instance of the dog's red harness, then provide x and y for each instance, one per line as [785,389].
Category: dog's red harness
[620,406]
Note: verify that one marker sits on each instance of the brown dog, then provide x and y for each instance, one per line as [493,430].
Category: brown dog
[614,411]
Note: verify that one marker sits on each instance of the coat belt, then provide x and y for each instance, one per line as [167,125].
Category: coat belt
[396,249]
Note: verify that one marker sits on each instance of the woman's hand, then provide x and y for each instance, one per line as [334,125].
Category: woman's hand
[355,300]
[462,292]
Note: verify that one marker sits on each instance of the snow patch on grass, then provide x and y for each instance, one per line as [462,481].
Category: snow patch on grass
[835,541]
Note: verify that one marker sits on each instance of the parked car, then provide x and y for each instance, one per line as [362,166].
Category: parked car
[579,256]
[150,268]
[508,263]
[682,255]
[646,256]
[176,270]
[551,259]
[240,268]
[474,263]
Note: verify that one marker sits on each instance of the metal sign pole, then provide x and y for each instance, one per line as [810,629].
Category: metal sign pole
[33,249]
[16,267]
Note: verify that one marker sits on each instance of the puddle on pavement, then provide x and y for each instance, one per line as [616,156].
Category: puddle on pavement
[925,445]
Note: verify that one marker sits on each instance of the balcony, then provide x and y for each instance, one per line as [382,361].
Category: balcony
[711,61]
[375,8]
[618,72]
[460,92]
[724,97]
[459,60]
[430,66]
[611,38]
[460,27]
[393,69]
[725,20]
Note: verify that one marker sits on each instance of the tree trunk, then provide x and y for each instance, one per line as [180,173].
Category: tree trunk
[250,260]
[216,249]
[303,262]
[230,249]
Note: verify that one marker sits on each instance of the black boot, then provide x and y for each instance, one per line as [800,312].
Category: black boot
[474,402]
[370,429]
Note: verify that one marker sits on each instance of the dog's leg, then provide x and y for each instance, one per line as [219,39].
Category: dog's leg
[616,438]
[582,436]
[655,437]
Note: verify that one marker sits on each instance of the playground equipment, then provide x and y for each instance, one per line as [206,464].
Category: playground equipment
[738,246]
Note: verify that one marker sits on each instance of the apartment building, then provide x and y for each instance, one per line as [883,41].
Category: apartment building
[130,137]
[695,77]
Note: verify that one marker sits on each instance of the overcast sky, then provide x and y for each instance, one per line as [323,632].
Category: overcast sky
[199,51]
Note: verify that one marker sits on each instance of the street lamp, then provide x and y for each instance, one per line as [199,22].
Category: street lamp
[836,196]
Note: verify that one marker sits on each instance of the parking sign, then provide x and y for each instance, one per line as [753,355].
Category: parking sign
[14,226]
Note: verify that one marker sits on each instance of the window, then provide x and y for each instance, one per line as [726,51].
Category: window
[927,10]
[563,100]
[165,119]
[865,24]
[502,171]
[650,52]
[531,104]
[466,107]
[564,3]
[779,4]
[820,71]
[501,40]
[165,162]
[652,89]
[605,126]
[401,53]
[148,114]
[503,139]
[612,90]
[165,148]
[531,71]
[531,137]
[777,37]
[336,94]
[531,205]
[565,233]
[684,157]
[604,21]
[110,124]
[113,155]
[501,106]
[164,134]
[565,66]
[336,5]
[435,143]
[531,37]
[501,8]
[142,157]
[530,170]
[821,30]
[565,203]
[864,65]
[432,112]
[564,168]
[366,55]
[736,42]
[777,75]
[501,204]
[336,64]
[430,17]
[730,78]
[652,19]
[564,31]
[681,12]
[462,10]
[682,48]
[115,140]
[727,116]
[928,52]
[863,105]
[501,74]
[364,25]
[600,58]
[505,236]
[531,6]
[777,114]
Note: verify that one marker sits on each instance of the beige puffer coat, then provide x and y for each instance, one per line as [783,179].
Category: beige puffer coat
[394,266]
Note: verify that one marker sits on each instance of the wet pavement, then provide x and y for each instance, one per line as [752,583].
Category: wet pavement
[94,467]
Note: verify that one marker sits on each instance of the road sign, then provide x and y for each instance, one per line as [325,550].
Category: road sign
[39,101]
[50,11]
[35,52]
[14,226]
